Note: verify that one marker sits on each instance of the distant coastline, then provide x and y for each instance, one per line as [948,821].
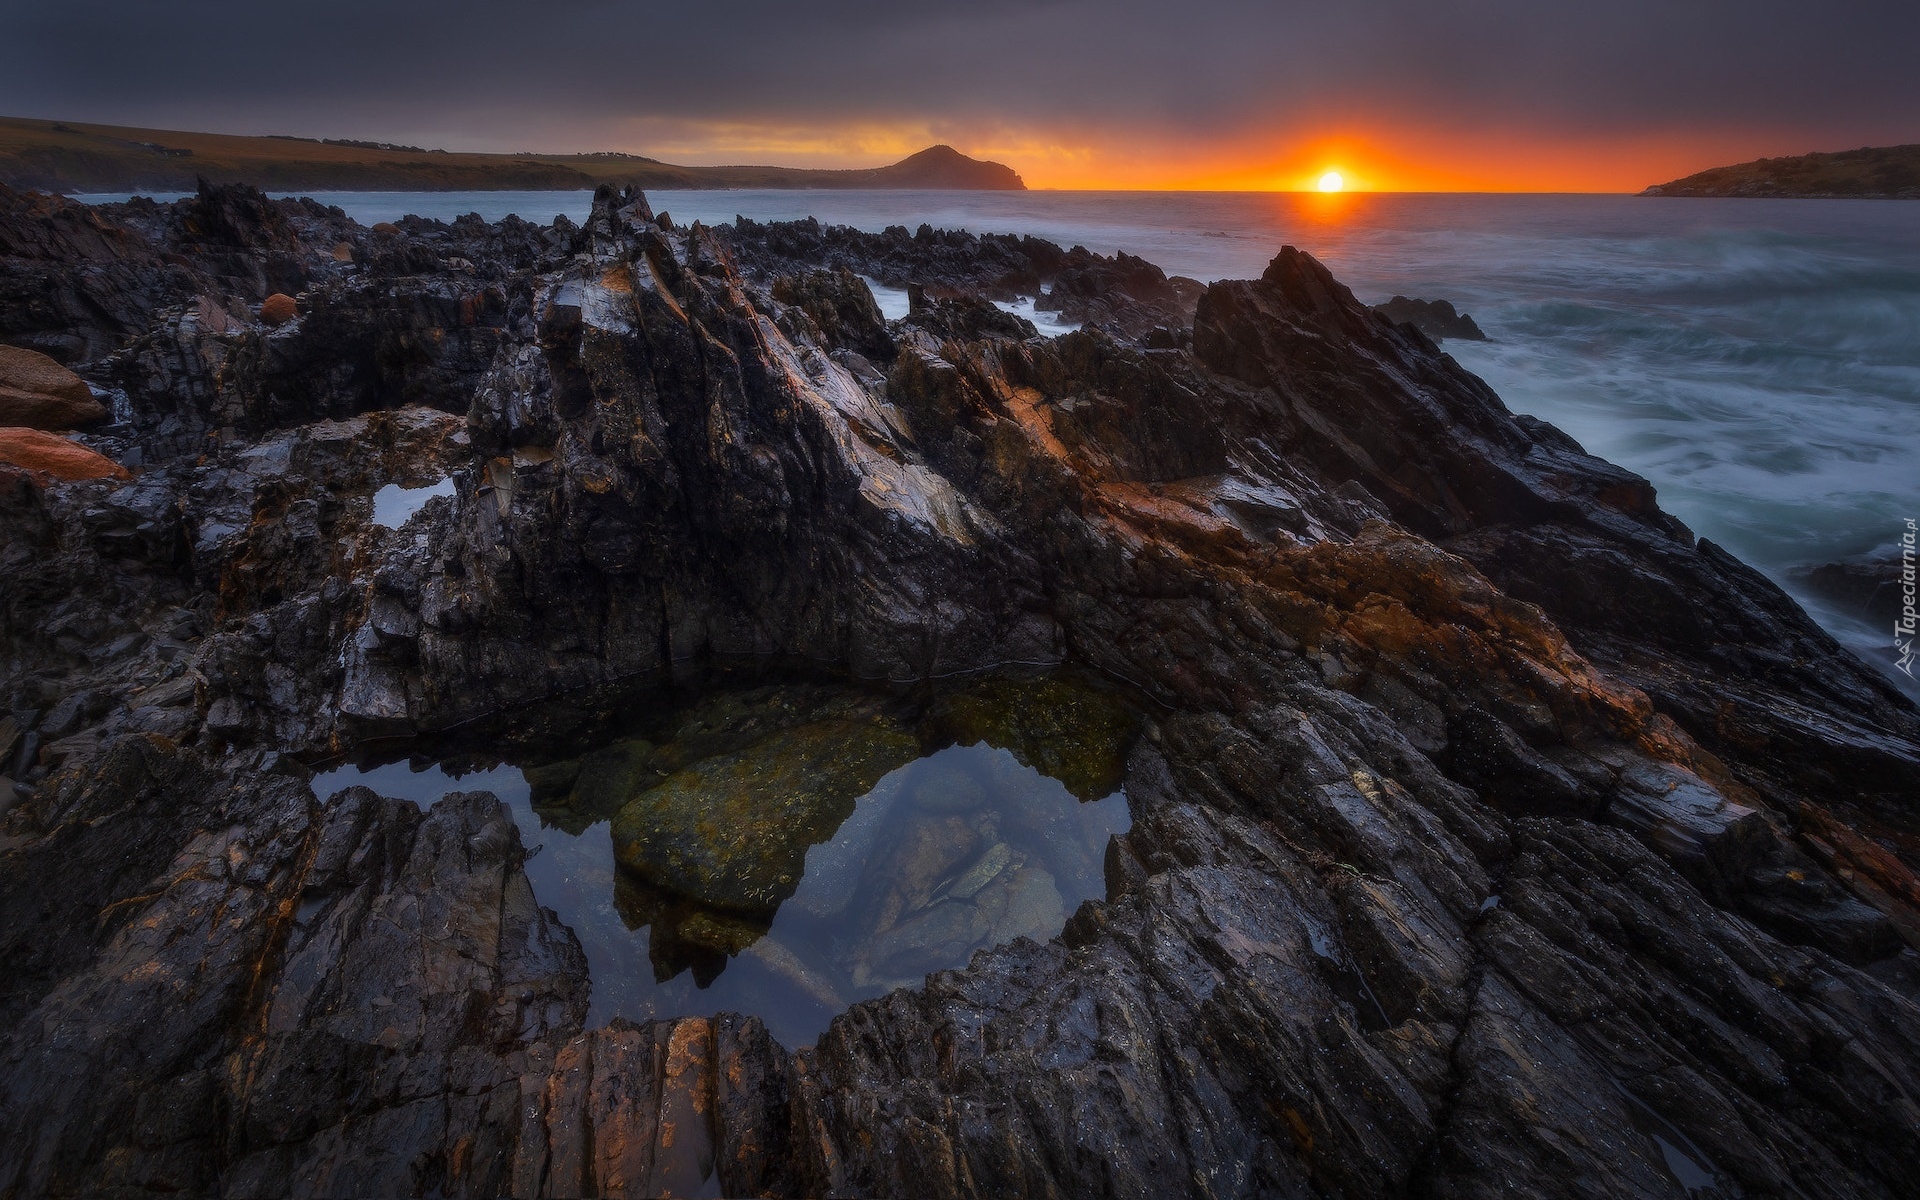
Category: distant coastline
[72,157]
[1869,173]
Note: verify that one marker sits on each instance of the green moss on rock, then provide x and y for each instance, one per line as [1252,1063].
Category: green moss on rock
[1058,725]
[732,831]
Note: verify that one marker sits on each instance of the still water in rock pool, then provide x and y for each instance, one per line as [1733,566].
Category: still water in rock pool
[786,859]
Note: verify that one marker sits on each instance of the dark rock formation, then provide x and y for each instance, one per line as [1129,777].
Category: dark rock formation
[1871,172]
[1491,835]
[1435,318]
[1125,296]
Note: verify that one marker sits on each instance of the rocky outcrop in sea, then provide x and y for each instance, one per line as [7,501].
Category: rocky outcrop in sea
[1490,833]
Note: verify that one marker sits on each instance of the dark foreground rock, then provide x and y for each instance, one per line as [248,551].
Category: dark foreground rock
[1492,835]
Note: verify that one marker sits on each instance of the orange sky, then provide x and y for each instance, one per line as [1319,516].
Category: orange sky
[1398,158]
[1401,160]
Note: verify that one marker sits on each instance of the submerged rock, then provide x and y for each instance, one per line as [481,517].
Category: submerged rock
[732,831]
[1060,727]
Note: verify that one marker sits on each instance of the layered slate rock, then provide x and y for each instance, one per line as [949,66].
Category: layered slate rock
[1492,834]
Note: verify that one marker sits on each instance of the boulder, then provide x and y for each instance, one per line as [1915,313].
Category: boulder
[278,309]
[39,393]
[48,457]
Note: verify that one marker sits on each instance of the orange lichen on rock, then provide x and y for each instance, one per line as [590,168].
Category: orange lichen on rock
[48,456]
[278,309]
[1890,885]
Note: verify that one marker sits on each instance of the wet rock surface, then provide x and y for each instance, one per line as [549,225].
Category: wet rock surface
[1491,834]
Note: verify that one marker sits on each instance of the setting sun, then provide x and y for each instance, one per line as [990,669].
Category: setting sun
[1331,182]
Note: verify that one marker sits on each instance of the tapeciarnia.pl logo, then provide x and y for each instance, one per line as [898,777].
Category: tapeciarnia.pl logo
[1904,627]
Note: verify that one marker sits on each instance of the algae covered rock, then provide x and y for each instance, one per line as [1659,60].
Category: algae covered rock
[575,793]
[732,831]
[1058,725]
[730,721]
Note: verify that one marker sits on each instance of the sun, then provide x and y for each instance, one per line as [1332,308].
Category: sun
[1331,182]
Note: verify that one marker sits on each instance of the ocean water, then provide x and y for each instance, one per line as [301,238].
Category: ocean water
[1758,361]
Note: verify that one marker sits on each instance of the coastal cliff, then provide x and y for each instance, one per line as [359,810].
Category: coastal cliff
[1491,834]
[60,157]
[1869,173]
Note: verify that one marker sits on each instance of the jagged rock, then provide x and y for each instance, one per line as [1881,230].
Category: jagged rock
[1124,295]
[1435,318]
[841,307]
[1490,831]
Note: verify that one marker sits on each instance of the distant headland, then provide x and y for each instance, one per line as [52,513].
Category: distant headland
[1871,172]
[72,157]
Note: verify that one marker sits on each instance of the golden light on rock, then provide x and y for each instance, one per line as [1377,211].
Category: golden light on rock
[1331,182]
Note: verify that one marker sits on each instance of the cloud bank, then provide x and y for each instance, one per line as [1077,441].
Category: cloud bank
[1104,84]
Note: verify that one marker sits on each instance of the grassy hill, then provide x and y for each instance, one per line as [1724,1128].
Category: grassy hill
[71,157]
[1883,172]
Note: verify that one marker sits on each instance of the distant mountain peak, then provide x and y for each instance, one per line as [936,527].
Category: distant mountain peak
[942,166]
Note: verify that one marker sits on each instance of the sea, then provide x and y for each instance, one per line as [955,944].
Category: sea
[1757,360]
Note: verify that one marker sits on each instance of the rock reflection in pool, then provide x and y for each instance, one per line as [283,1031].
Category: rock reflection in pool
[954,851]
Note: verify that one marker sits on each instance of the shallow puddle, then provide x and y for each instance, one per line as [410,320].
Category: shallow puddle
[895,306]
[787,853]
[393,505]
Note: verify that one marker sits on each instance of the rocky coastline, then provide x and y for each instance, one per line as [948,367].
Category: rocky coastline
[1869,173]
[1491,834]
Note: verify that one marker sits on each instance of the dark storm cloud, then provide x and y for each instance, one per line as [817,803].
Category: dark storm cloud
[1627,65]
